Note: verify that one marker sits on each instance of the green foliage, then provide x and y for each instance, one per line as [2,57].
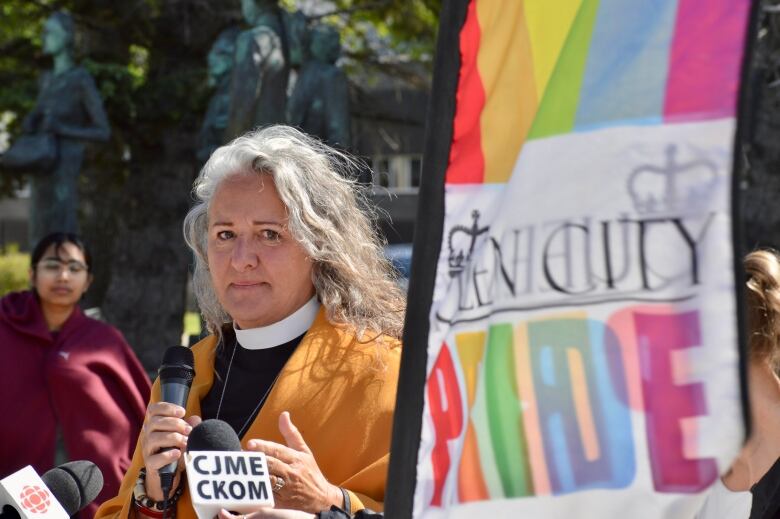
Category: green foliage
[138,66]
[118,85]
[407,28]
[383,36]
[14,270]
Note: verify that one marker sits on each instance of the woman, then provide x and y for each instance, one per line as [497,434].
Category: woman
[750,487]
[70,108]
[305,315]
[63,370]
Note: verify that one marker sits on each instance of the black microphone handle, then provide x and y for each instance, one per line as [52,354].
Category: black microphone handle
[174,391]
[176,375]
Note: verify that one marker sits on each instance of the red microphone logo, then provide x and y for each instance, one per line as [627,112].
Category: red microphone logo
[35,499]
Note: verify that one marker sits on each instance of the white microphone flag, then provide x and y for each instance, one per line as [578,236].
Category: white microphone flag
[235,481]
[28,494]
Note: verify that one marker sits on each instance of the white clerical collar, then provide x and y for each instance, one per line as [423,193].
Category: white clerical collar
[280,332]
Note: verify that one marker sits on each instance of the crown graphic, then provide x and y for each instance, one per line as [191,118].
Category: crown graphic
[673,187]
[461,242]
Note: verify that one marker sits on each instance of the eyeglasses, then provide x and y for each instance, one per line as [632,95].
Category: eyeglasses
[55,266]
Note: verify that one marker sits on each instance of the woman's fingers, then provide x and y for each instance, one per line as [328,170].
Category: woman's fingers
[160,420]
[274,450]
[164,439]
[165,409]
[160,459]
[167,423]
[276,468]
[164,434]
[292,436]
[193,420]
[287,453]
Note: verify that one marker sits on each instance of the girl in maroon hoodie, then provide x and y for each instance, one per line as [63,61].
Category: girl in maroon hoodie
[62,369]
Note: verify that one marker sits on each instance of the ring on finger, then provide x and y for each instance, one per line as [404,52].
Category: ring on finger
[279,485]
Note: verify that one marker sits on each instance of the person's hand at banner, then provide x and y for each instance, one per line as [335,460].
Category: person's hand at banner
[297,480]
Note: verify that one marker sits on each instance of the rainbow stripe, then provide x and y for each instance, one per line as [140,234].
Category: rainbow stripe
[533,68]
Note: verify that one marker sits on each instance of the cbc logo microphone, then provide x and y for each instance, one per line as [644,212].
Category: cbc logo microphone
[35,499]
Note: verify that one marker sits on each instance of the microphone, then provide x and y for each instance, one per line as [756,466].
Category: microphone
[58,494]
[213,435]
[220,475]
[75,484]
[176,374]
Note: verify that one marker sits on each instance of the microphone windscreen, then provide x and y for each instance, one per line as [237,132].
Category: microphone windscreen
[178,362]
[74,484]
[213,435]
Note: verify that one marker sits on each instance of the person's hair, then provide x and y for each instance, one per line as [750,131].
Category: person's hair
[66,22]
[58,239]
[328,214]
[763,305]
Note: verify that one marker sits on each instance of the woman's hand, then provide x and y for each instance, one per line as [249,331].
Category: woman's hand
[297,481]
[164,428]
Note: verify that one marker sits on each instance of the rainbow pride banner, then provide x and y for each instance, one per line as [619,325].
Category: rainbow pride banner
[582,341]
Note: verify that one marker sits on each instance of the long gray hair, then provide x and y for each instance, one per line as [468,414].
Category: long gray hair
[328,214]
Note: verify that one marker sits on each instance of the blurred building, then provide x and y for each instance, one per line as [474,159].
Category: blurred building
[388,125]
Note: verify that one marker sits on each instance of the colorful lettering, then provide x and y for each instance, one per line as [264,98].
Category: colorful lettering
[548,407]
[471,482]
[580,391]
[447,414]
[505,414]
[667,403]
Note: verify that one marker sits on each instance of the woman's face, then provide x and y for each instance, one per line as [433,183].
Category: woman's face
[55,37]
[259,272]
[61,276]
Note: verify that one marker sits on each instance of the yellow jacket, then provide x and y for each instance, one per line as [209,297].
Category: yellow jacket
[340,394]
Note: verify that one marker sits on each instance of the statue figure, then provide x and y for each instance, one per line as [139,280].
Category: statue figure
[220,60]
[319,104]
[68,107]
[258,86]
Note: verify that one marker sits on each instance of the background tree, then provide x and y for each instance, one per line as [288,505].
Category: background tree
[148,58]
[761,149]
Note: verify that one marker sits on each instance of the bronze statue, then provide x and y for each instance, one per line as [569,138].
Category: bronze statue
[319,104]
[68,111]
[220,60]
[258,86]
